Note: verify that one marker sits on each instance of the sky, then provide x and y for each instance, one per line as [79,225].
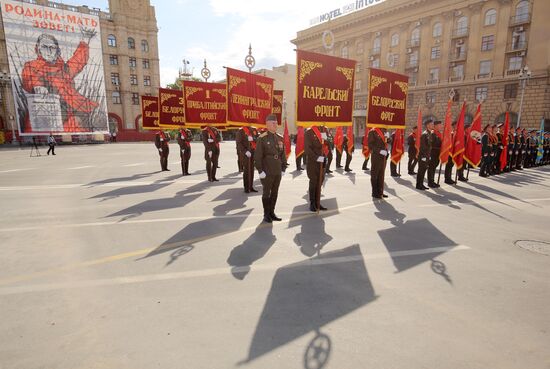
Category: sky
[221,30]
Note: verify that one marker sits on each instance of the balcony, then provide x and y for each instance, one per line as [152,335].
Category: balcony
[516,46]
[458,56]
[375,51]
[412,43]
[512,72]
[432,82]
[484,75]
[520,19]
[456,78]
[460,32]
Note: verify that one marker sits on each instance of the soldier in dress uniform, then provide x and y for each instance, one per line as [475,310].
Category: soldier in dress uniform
[450,164]
[486,152]
[317,152]
[413,159]
[378,146]
[532,148]
[246,145]
[239,153]
[349,147]
[498,148]
[161,142]
[437,139]
[424,154]
[460,172]
[365,150]
[211,140]
[393,167]
[546,159]
[184,140]
[270,161]
[329,142]
[518,147]
[510,148]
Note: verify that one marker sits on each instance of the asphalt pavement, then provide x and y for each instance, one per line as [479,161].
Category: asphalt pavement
[107,262]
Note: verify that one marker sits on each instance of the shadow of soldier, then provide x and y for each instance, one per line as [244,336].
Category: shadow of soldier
[235,199]
[388,213]
[308,295]
[312,237]
[251,250]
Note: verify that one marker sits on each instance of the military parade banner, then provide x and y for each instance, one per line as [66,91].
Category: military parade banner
[324,90]
[278,105]
[171,108]
[205,103]
[387,99]
[56,69]
[249,98]
[150,112]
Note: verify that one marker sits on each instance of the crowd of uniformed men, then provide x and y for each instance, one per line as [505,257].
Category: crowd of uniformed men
[263,151]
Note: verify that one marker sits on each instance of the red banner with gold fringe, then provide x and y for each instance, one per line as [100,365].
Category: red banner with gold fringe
[150,112]
[205,103]
[249,98]
[278,105]
[387,99]
[325,90]
[171,108]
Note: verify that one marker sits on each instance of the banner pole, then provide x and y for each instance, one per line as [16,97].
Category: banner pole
[318,199]
[468,172]
[439,175]
[399,168]
[456,175]
[250,172]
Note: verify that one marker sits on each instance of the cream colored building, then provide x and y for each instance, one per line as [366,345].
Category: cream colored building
[476,48]
[130,59]
[285,79]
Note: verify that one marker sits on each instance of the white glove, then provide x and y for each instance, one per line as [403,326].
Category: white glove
[209,154]
[383,152]
[320,159]
[250,138]
[282,173]
[160,150]
[210,140]
[183,150]
[423,159]
[324,136]
[248,154]
[162,139]
[262,175]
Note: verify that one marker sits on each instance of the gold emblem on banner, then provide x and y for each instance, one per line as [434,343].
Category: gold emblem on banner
[146,103]
[265,86]
[221,91]
[235,81]
[347,72]
[165,97]
[306,67]
[279,99]
[191,90]
[404,86]
[376,81]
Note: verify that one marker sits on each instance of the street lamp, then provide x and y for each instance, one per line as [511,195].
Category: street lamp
[5,80]
[524,76]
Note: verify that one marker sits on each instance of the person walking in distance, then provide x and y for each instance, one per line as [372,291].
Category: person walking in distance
[51,144]
[270,162]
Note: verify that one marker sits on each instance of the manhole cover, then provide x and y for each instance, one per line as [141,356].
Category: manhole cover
[540,247]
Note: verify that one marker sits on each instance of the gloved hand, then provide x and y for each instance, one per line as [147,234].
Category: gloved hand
[282,172]
[209,154]
[262,175]
[210,140]
[160,150]
[383,152]
[324,136]
[250,138]
[320,159]
[183,150]
[248,154]
[424,159]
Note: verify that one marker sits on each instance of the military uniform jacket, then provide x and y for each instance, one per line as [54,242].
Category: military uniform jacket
[270,154]
[411,143]
[376,144]
[246,141]
[162,142]
[425,146]
[486,147]
[511,143]
[436,146]
[211,133]
[184,140]
[312,146]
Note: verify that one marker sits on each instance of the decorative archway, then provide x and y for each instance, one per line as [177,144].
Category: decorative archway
[138,123]
[115,122]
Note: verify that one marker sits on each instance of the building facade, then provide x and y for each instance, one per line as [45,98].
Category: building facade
[475,48]
[129,38]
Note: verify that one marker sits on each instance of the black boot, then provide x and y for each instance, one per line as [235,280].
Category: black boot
[267,217]
[272,211]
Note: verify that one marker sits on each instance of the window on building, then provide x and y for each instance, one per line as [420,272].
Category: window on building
[434,74]
[394,40]
[358,85]
[511,91]
[487,43]
[518,40]
[393,60]
[376,44]
[436,52]
[133,79]
[413,59]
[458,71]
[358,67]
[113,59]
[415,37]
[116,97]
[135,98]
[147,81]
[375,63]
[145,63]
[437,30]
[132,62]
[344,52]
[522,11]
[111,40]
[115,79]
[413,78]
[359,48]
[462,26]
[131,43]
[144,46]
[490,17]
[515,63]
[484,68]
[481,93]
[431,97]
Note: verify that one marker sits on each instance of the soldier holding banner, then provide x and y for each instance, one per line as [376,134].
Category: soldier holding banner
[270,161]
[349,147]
[246,146]
[378,147]
[161,142]
[316,151]
[424,154]
[184,140]
[450,164]
[329,142]
[436,140]
[211,141]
